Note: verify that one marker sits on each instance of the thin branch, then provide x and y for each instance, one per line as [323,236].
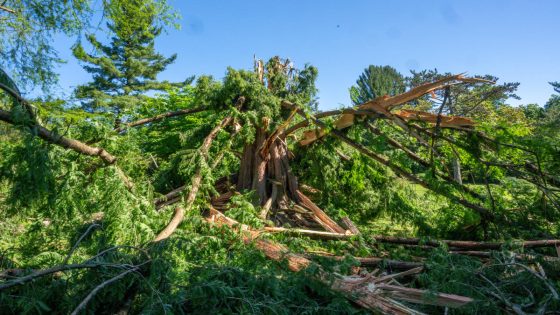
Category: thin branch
[3,8]
[160,117]
[86,300]
[89,229]
[45,272]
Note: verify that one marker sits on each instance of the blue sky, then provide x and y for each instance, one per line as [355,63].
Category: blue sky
[514,40]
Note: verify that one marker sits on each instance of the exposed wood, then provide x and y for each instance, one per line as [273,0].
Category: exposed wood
[384,104]
[159,117]
[445,121]
[350,225]
[305,123]
[419,296]
[408,272]
[170,195]
[264,212]
[265,148]
[484,254]
[457,171]
[259,167]
[376,297]
[309,233]
[387,103]
[377,261]
[330,224]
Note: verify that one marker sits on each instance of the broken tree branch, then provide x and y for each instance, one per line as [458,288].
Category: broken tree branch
[485,213]
[375,297]
[309,233]
[46,272]
[64,142]
[197,178]
[72,144]
[325,220]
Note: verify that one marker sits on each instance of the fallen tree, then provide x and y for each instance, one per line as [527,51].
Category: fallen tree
[262,117]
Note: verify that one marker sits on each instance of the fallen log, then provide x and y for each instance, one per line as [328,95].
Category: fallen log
[310,233]
[377,297]
[373,261]
[463,244]
[350,225]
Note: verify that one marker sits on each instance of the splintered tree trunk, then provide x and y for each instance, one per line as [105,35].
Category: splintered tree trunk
[265,168]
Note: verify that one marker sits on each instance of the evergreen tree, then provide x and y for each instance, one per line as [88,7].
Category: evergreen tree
[128,66]
[377,81]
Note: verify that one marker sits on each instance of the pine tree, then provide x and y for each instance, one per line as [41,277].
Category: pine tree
[125,69]
[377,81]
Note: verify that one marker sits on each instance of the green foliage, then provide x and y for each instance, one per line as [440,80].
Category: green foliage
[489,284]
[128,66]
[354,186]
[242,210]
[27,33]
[377,81]
[55,202]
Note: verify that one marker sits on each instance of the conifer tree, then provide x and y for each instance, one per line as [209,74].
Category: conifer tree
[126,68]
[377,81]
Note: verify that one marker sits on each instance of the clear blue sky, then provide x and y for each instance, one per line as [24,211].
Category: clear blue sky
[514,40]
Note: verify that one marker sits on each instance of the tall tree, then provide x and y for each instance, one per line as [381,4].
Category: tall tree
[377,81]
[127,67]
